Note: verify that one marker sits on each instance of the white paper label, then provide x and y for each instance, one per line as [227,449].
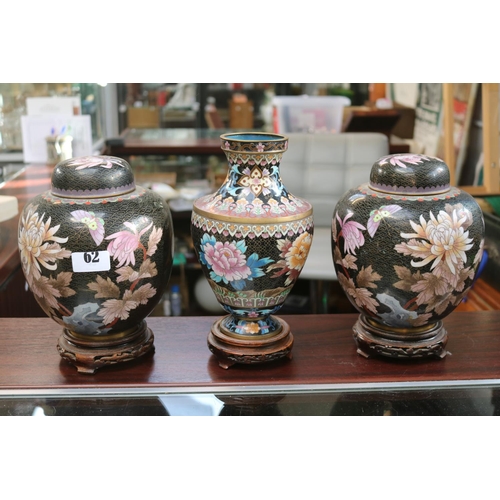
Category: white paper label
[88,262]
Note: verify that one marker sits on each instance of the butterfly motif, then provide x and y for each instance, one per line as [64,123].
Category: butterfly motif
[94,223]
[377,215]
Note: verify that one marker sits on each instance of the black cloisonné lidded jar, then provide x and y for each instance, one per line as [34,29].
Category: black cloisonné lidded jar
[97,253]
[406,247]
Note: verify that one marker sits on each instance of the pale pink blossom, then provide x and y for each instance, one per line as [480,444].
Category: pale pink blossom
[351,232]
[401,159]
[125,243]
[91,161]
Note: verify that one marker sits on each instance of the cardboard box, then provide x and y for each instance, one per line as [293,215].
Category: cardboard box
[143,117]
[404,128]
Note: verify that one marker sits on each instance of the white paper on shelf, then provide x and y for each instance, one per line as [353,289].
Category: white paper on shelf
[35,129]
[53,106]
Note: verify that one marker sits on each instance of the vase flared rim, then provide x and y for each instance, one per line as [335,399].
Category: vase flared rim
[253,136]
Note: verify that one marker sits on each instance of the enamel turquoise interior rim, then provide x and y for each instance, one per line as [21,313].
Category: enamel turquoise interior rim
[254,136]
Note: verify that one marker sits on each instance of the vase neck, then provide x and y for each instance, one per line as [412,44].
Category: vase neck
[253,176]
[254,161]
[253,186]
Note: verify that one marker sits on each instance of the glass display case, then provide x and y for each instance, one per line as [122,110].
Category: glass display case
[13,106]
[413,399]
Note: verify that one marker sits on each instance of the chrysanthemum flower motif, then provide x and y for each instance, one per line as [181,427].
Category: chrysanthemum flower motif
[38,244]
[297,254]
[256,180]
[351,232]
[443,241]
[94,223]
[125,243]
[91,161]
[293,257]
[260,147]
[400,160]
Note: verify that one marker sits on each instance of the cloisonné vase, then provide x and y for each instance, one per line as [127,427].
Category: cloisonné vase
[252,238]
[96,251]
[406,247]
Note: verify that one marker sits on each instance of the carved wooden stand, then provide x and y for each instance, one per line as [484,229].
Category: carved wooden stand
[90,355]
[230,350]
[372,340]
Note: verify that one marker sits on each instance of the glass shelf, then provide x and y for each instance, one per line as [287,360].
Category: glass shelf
[472,399]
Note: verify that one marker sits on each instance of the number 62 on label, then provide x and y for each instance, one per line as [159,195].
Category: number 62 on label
[94,260]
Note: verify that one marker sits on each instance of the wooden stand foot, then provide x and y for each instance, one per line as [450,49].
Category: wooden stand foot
[88,355]
[230,350]
[372,340]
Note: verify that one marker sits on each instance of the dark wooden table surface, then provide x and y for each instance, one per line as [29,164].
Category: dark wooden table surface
[323,353]
[167,141]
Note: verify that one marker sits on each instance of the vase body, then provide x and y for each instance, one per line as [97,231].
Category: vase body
[252,238]
[406,247]
[97,254]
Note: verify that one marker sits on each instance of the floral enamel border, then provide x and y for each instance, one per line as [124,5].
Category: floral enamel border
[251,230]
[258,304]
[256,208]
[448,195]
[234,145]
[56,200]
[260,159]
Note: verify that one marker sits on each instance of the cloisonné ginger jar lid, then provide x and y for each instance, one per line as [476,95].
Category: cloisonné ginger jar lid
[410,174]
[92,176]
[97,254]
[406,248]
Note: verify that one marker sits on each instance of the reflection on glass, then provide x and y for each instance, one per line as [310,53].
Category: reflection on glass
[451,401]
[13,105]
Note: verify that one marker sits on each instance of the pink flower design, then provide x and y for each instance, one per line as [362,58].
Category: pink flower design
[227,261]
[91,161]
[412,159]
[351,232]
[260,147]
[125,243]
